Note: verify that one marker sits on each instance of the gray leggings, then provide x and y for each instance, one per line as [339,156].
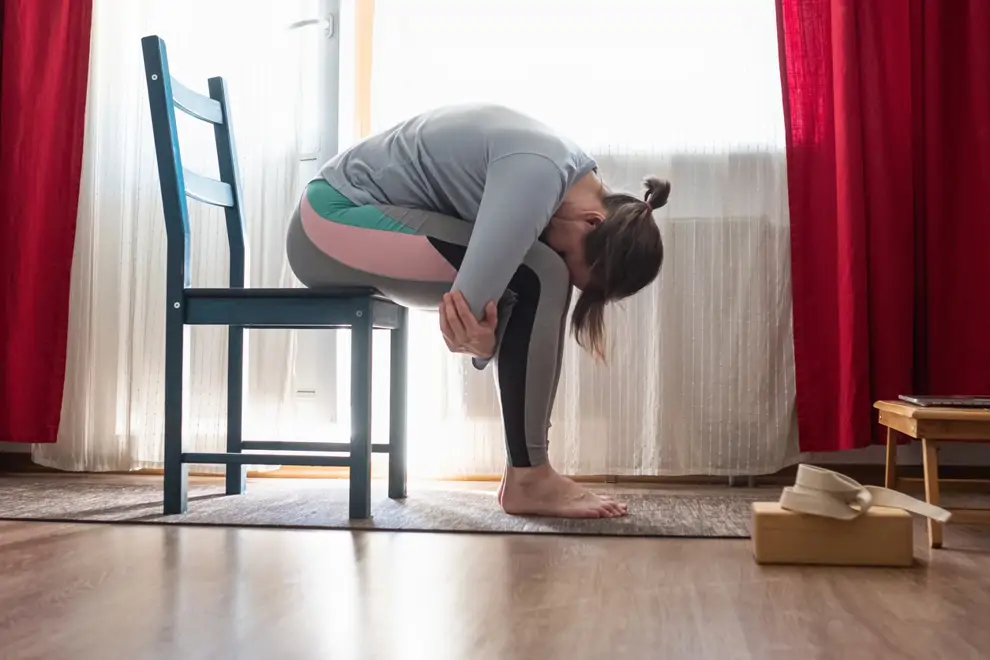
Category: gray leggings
[532,317]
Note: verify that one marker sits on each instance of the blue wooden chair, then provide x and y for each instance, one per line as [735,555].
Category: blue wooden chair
[359,310]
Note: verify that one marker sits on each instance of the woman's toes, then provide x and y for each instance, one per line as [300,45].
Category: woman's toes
[613,509]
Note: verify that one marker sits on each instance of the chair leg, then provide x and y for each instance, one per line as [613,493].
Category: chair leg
[360,481]
[397,408]
[176,472]
[236,474]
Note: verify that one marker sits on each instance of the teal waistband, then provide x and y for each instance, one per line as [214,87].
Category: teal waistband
[331,205]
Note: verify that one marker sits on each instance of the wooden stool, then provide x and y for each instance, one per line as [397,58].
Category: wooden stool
[931,426]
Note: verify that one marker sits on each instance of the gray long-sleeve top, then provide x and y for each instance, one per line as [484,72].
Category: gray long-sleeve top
[486,164]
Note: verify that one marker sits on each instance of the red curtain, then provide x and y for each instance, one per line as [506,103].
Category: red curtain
[887,106]
[45,62]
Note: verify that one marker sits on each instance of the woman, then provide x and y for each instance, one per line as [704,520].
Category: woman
[489,217]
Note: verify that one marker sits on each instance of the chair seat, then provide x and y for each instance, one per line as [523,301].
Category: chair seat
[326,292]
[333,307]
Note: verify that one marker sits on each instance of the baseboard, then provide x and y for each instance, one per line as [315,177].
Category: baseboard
[19,462]
[910,477]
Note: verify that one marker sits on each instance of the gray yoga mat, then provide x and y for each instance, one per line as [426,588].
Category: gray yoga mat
[322,504]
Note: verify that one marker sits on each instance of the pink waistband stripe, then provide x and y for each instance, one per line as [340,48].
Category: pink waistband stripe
[390,254]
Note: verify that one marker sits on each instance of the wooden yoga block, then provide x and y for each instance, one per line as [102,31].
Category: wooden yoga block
[880,537]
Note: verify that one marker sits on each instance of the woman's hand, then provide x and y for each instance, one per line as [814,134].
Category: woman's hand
[462,332]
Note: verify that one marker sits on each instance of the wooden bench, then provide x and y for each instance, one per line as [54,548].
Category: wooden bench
[933,425]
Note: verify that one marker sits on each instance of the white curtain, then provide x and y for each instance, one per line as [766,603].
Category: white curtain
[701,373]
[113,402]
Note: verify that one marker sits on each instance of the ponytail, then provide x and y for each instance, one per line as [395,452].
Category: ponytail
[624,254]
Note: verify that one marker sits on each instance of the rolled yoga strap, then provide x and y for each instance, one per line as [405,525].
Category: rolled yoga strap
[822,492]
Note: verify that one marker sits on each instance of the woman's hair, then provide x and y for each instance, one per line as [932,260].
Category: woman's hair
[624,254]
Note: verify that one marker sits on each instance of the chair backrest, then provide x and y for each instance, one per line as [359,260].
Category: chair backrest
[165,94]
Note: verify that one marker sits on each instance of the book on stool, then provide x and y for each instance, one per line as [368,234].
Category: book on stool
[829,519]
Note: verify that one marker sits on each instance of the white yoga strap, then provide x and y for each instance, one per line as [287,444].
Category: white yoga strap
[821,492]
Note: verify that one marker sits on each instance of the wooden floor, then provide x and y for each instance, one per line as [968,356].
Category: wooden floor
[144,592]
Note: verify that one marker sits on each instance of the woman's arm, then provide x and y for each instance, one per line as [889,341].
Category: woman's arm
[522,191]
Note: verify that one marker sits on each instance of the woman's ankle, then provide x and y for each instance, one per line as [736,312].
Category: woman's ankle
[524,475]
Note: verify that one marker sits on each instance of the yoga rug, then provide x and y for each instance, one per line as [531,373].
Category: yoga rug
[322,504]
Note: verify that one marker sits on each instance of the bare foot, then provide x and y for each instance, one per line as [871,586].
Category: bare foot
[540,491]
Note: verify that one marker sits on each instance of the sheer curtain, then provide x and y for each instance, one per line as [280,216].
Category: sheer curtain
[112,410]
[701,369]
[701,374]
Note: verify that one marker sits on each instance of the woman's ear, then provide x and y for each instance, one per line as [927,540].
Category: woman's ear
[594,218]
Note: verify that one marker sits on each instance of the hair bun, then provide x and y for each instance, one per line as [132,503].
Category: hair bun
[657,191]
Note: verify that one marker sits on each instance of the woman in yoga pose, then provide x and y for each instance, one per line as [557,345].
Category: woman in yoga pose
[491,218]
